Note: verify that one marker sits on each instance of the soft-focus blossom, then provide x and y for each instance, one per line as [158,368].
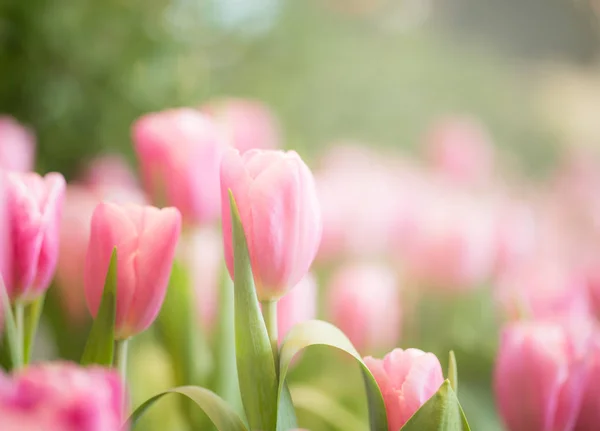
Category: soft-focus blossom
[246,124]
[34,207]
[461,150]
[407,379]
[180,153]
[109,170]
[145,238]
[363,301]
[297,306]
[589,414]
[61,397]
[277,201]
[17,146]
[539,377]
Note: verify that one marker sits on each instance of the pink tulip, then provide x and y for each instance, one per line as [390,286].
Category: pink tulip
[180,153]
[145,238]
[407,379]
[109,170]
[364,302]
[461,150]
[34,207]
[539,377]
[297,306]
[589,415]
[277,202]
[247,124]
[61,397]
[17,146]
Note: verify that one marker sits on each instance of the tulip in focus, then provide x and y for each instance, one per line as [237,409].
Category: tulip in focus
[34,207]
[539,377]
[17,146]
[145,238]
[61,397]
[180,153]
[364,302]
[247,124]
[407,379]
[297,306]
[277,201]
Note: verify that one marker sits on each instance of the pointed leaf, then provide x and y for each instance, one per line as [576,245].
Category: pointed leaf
[99,347]
[10,329]
[453,372]
[33,312]
[255,363]
[316,332]
[441,413]
[217,410]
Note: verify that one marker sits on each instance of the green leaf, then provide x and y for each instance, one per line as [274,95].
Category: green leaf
[100,343]
[316,332]
[10,329]
[453,372]
[255,363]
[217,410]
[33,311]
[441,413]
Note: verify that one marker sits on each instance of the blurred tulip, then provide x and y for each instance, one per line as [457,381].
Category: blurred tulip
[17,146]
[539,377]
[461,150]
[34,206]
[297,306]
[247,124]
[407,379]
[145,238]
[180,153]
[589,414]
[363,301]
[61,397]
[277,202]
[111,178]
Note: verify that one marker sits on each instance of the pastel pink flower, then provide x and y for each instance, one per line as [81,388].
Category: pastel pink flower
[407,379]
[589,415]
[34,208]
[180,153]
[247,124]
[363,300]
[539,377]
[61,397]
[17,146]
[279,210]
[145,238]
[297,306]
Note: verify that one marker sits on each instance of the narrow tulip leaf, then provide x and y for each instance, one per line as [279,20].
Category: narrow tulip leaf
[442,412]
[33,312]
[10,330]
[257,375]
[217,410]
[453,372]
[316,332]
[99,348]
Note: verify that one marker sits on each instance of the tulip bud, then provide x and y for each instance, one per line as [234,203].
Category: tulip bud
[34,208]
[180,153]
[61,397]
[277,202]
[364,302]
[407,379]
[297,306]
[17,146]
[589,415]
[539,377]
[145,238]
[247,124]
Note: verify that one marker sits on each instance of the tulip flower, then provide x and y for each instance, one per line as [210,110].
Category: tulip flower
[407,379]
[297,306]
[589,414]
[539,377]
[363,301]
[246,124]
[277,201]
[61,397]
[34,207]
[17,146]
[180,153]
[145,238]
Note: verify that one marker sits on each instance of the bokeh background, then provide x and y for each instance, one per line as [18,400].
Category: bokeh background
[376,72]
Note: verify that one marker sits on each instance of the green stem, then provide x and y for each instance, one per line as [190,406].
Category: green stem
[20,323]
[269,312]
[120,363]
